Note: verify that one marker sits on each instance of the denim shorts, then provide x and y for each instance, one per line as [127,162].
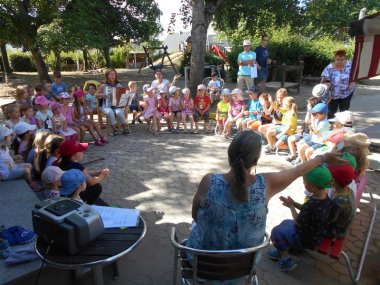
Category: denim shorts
[285,236]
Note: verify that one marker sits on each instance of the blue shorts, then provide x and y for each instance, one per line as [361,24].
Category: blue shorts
[262,74]
[134,108]
[285,236]
[314,145]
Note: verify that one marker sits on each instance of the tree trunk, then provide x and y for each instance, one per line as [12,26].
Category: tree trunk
[5,60]
[202,14]
[107,57]
[85,60]
[40,64]
[58,61]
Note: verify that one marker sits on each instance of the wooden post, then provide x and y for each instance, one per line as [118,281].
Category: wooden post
[273,69]
[283,75]
[300,73]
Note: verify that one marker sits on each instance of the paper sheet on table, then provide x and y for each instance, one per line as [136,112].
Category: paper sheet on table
[254,71]
[118,217]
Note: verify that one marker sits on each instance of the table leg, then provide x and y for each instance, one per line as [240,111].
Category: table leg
[115,270]
[97,274]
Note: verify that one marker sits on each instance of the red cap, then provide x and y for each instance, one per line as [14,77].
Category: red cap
[342,174]
[79,93]
[70,147]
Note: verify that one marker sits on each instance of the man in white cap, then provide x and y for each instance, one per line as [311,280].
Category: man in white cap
[246,59]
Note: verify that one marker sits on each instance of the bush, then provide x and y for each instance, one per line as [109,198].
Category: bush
[119,57]
[210,59]
[22,62]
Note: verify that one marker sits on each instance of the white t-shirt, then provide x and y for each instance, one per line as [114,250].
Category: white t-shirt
[6,163]
[214,84]
[323,127]
[45,118]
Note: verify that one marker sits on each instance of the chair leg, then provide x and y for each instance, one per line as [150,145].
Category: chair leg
[115,270]
[175,266]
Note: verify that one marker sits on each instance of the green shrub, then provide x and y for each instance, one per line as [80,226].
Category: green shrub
[119,57]
[210,59]
[22,62]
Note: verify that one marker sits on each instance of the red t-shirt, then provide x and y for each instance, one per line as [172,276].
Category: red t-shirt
[202,102]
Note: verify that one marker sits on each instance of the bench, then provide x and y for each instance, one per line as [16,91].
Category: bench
[17,202]
[333,247]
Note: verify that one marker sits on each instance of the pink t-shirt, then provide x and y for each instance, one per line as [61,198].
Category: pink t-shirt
[175,103]
[68,114]
[236,107]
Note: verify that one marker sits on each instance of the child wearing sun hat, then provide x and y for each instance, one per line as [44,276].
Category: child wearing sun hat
[51,177]
[307,228]
[73,183]
[44,115]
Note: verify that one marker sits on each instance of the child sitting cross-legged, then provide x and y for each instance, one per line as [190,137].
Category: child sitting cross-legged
[51,177]
[73,183]
[306,229]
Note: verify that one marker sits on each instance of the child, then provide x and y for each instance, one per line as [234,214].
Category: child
[344,200]
[49,93]
[38,154]
[135,103]
[58,86]
[51,178]
[222,111]
[91,99]
[24,140]
[187,105]
[73,183]
[12,116]
[306,229]
[9,170]
[322,93]
[319,130]
[235,112]
[51,149]
[303,133]
[151,115]
[278,137]
[175,107]
[214,87]
[27,114]
[254,108]
[267,109]
[22,95]
[81,114]
[68,113]
[60,124]
[163,108]
[38,145]
[39,91]
[202,104]
[44,115]
[72,155]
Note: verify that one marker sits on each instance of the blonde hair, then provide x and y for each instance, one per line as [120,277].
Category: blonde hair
[291,104]
[282,91]
[39,159]
[20,90]
[132,83]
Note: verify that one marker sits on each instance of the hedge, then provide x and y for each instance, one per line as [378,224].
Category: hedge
[22,62]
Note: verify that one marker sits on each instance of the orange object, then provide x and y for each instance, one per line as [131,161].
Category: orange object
[254,125]
[217,51]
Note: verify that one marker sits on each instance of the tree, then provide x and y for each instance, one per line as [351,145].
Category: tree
[20,20]
[4,57]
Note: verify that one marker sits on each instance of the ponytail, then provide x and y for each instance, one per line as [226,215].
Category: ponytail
[238,188]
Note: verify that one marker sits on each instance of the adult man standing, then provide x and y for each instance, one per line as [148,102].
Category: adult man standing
[262,57]
[246,59]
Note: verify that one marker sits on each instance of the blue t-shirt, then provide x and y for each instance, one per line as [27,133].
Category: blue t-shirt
[253,106]
[245,69]
[58,88]
[262,55]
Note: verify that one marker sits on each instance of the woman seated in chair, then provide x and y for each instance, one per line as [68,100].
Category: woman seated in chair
[230,209]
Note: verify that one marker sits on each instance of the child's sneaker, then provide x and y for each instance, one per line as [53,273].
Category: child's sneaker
[273,254]
[287,264]
[269,150]
[99,143]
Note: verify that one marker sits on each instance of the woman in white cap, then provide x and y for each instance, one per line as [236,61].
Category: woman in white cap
[246,59]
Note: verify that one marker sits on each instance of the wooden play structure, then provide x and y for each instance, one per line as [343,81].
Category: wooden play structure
[282,70]
[147,57]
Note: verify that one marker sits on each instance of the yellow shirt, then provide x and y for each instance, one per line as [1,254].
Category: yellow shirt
[289,119]
[223,109]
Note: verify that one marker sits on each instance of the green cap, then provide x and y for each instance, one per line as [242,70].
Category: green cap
[350,159]
[319,176]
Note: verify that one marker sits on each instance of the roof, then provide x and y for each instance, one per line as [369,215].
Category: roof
[174,40]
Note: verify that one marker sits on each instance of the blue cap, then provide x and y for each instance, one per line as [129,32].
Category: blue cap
[319,108]
[253,89]
[71,180]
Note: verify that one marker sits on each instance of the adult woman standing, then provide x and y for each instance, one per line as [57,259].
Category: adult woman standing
[337,76]
[162,84]
[104,92]
[230,209]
